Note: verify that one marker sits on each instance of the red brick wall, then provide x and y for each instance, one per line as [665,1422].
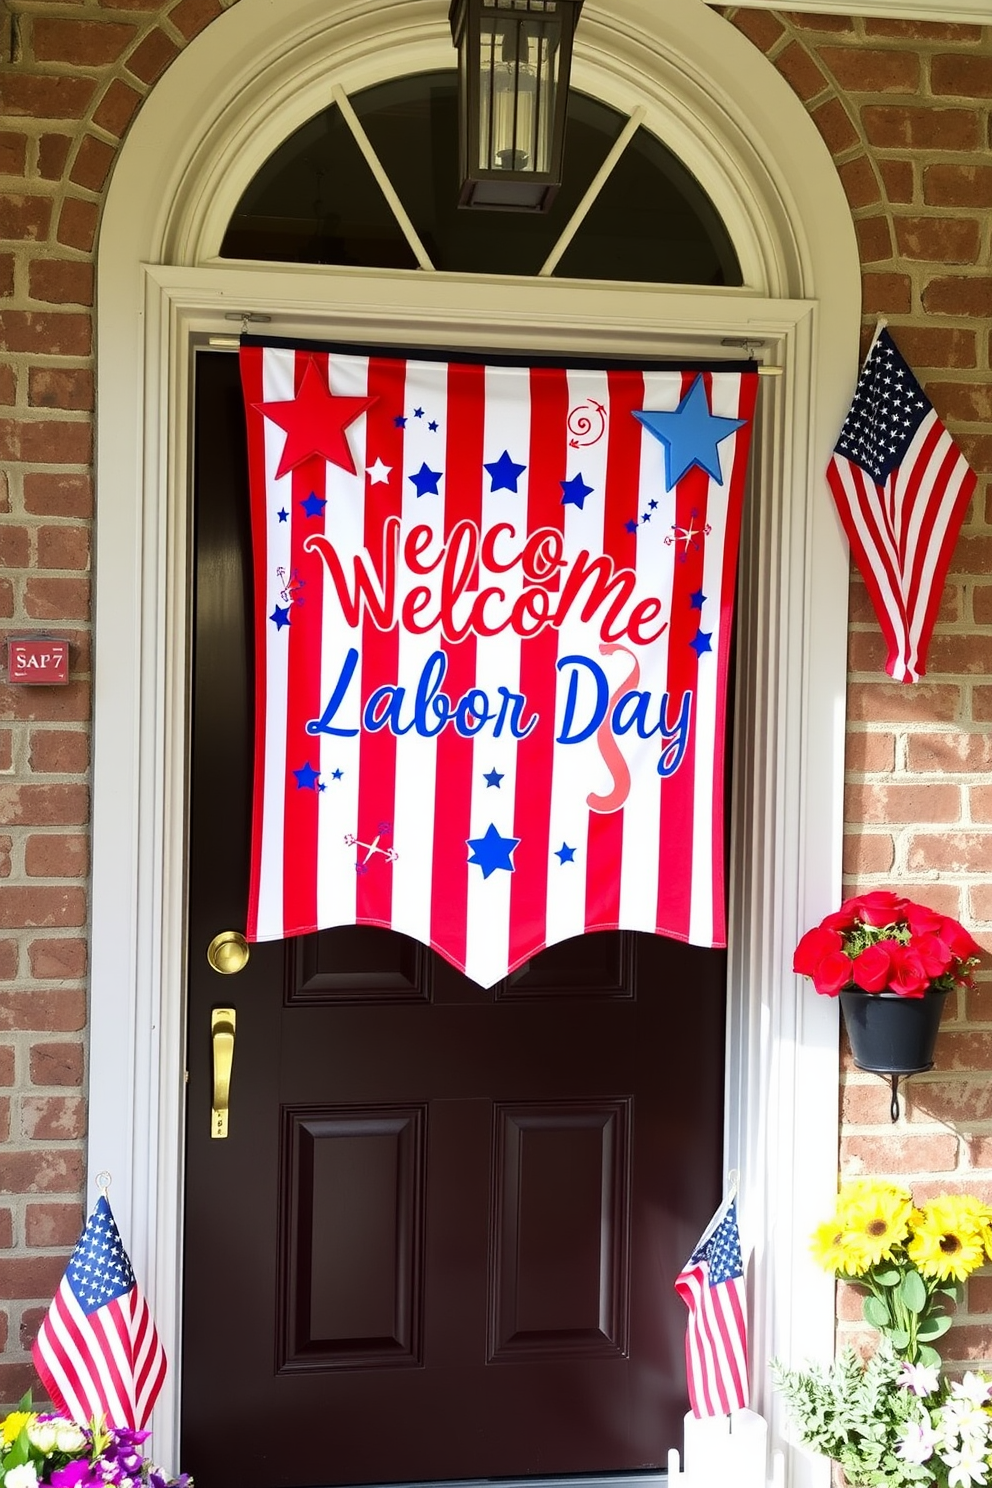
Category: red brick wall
[905,108]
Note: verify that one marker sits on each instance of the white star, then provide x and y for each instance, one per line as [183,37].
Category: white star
[379,473]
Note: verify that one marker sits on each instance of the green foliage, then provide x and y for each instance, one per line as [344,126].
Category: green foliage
[855,1413]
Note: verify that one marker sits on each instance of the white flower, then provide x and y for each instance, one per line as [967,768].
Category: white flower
[21,1477]
[921,1379]
[973,1388]
[917,1442]
[41,1434]
[966,1466]
[68,1436]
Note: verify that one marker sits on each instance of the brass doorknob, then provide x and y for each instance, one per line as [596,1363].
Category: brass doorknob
[228,952]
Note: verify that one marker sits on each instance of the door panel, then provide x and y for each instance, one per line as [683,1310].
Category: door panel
[440,1239]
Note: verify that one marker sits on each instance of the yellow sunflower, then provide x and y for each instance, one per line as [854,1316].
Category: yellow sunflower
[830,1248]
[949,1237]
[875,1217]
[12,1425]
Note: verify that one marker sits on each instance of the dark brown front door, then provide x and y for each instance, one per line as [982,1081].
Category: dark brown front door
[441,1236]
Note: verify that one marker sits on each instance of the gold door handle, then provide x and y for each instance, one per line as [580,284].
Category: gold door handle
[222,1025]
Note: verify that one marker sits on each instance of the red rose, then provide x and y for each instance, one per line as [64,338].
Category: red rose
[811,950]
[957,940]
[934,953]
[907,975]
[843,918]
[881,907]
[832,974]
[871,967]
[923,921]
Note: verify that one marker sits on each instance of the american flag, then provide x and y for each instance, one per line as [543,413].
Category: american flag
[902,487]
[97,1352]
[492,633]
[712,1287]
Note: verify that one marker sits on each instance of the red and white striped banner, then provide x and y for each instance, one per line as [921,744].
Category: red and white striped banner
[492,630]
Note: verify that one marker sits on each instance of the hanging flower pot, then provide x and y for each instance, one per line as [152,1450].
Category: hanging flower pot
[889,1034]
[892,962]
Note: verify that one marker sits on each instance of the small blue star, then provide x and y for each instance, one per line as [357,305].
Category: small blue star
[418,413]
[645,516]
[426,480]
[653,505]
[631,526]
[505,473]
[280,616]
[697,600]
[493,778]
[566,854]
[399,421]
[433,426]
[492,851]
[314,505]
[321,786]
[701,641]
[336,774]
[283,515]
[690,434]
[575,492]
[306,778]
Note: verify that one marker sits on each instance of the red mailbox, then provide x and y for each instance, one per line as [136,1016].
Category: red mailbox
[37,660]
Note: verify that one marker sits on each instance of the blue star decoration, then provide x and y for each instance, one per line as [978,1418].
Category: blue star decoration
[492,851]
[433,426]
[426,480]
[690,434]
[566,854]
[314,505]
[697,600]
[400,421]
[505,473]
[336,774]
[280,615]
[631,526]
[283,515]
[306,777]
[701,641]
[418,413]
[493,778]
[575,492]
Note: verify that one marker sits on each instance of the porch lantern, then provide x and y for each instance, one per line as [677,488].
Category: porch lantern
[514,60]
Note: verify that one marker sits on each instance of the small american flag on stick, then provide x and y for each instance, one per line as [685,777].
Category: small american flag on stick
[97,1352]
[711,1285]
[902,487]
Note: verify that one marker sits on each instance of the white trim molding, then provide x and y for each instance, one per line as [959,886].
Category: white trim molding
[973,12]
[235,93]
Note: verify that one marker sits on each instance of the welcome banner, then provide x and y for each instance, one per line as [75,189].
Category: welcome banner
[492,628]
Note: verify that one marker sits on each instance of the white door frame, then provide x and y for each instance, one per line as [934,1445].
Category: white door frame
[236,92]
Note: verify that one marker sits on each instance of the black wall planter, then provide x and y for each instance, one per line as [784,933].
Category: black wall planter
[892,1035]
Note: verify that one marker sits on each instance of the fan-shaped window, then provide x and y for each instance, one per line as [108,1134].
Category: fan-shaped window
[316,199]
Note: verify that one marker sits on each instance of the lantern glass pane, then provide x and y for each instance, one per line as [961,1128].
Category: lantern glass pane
[315,200]
[519,69]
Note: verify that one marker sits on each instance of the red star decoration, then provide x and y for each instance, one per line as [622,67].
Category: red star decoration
[315,421]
